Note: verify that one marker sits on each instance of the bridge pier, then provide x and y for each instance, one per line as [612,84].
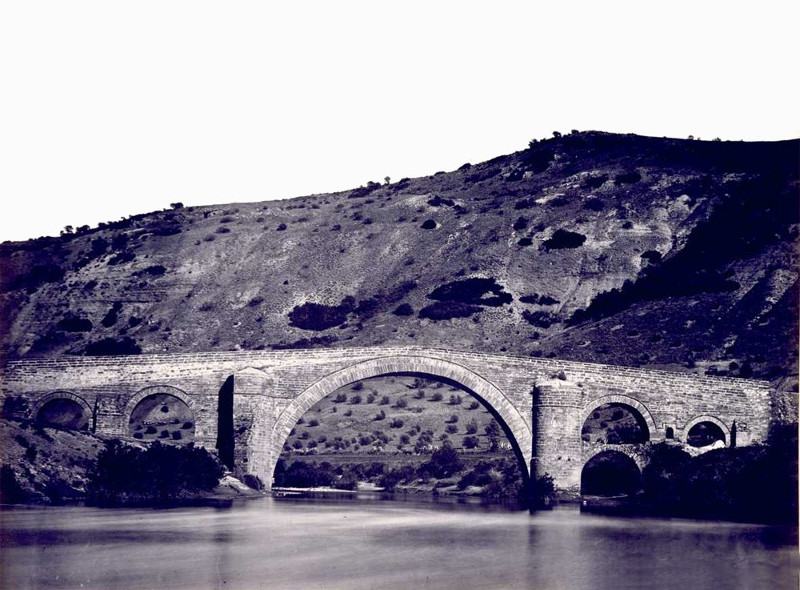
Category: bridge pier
[556,433]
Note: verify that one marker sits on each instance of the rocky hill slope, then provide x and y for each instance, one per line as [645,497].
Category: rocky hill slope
[622,249]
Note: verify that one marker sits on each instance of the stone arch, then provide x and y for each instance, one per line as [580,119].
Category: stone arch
[155,390]
[707,418]
[517,430]
[68,395]
[622,478]
[629,450]
[653,434]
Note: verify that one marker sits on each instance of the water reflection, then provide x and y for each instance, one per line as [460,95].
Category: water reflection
[312,543]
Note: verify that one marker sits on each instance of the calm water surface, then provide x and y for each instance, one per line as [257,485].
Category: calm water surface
[353,544]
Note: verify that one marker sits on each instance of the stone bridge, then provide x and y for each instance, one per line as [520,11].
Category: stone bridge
[256,397]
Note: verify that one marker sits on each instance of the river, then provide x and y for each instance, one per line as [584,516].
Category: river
[363,543]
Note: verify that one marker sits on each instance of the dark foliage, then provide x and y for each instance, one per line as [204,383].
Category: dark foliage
[113,347]
[121,258]
[538,158]
[11,492]
[112,315]
[483,173]
[540,319]
[539,299]
[73,323]
[595,182]
[524,204]
[755,483]
[520,224]
[447,310]
[472,291]
[155,270]
[444,462]
[403,310]
[628,178]
[159,475]
[438,201]
[364,191]
[593,204]
[38,276]
[563,238]
[316,316]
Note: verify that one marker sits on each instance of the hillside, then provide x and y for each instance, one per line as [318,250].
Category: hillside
[676,254]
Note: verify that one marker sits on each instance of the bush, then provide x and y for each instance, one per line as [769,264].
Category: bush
[444,462]
[404,310]
[340,398]
[113,347]
[595,182]
[540,319]
[447,310]
[451,429]
[355,400]
[564,239]
[385,400]
[475,291]
[436,397]
[628,178]
[401,403]
[161,474]
[75,324]
[471,442]
[316,316]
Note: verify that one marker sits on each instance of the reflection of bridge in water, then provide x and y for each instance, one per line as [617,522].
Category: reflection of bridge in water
[246,403]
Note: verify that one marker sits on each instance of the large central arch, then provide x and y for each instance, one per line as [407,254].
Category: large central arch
[516,428]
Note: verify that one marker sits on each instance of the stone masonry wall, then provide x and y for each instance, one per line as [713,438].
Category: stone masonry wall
[269,384]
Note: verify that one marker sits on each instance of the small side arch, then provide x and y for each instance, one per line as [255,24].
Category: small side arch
[590,407]
[64,395]
[40,403]
[706,418]
[154,390]
[517,429]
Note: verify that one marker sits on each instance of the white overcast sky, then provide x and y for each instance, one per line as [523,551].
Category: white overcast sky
[113,108]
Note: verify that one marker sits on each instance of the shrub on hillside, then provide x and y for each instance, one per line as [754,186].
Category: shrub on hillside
[628,178]
[540,319]
[72,323]
[403,310]
[316,316]
[563,238]
[447,310]
[475,291]
[113,347]
[595,182]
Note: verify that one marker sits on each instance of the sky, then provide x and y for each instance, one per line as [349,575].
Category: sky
[109,109]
